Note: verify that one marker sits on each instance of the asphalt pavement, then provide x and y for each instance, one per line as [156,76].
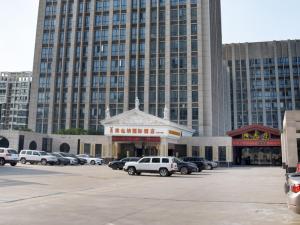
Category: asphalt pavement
[96,195]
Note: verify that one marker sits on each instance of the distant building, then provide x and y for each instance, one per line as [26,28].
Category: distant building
[93,55]
[264,80]
[14,99]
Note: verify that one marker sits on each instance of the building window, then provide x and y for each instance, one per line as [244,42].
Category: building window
[209,153]
[222,153]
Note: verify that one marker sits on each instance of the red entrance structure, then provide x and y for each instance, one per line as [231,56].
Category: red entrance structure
[256,145]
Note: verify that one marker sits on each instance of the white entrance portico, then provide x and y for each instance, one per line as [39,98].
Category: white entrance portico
[136,133]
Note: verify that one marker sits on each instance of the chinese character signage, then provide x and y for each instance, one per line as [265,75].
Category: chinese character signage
[142,131]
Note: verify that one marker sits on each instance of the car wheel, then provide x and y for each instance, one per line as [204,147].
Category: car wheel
[23,161]
[209,167]
[163,172]
[2,162]
[44,162]
[200,170]
[13,164]
[184,171]
[93,162]
[131,171]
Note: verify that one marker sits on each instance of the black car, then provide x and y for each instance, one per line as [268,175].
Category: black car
[196,160]
[186,167]
[119,164]
[81,161]
[61,160]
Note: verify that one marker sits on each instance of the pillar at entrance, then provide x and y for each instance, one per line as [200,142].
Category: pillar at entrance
[215,153]
[202,152]
[229,154]
[189,151]
[163,149]
[115,150]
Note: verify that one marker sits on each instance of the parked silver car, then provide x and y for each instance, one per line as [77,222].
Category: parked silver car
[292,190]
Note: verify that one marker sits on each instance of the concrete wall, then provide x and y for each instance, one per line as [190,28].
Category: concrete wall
[215,142]
[291,132]
[108,148]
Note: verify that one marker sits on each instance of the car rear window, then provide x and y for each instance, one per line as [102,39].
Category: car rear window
[12,151]
[155,160]
[165,160]
[1,150]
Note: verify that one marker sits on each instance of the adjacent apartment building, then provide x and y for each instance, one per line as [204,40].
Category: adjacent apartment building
[14,99]
[91,55]
[264,81]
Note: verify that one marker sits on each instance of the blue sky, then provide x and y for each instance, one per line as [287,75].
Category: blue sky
[260,20]
[243,21]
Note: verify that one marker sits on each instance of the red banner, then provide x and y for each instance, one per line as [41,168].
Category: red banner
[253,143]
[135,139]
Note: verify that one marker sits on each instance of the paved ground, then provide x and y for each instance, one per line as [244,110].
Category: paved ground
[97,195]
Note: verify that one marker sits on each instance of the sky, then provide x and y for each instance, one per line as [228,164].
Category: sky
[242,21]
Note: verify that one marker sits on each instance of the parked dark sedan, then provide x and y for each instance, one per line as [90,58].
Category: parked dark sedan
[81,161]
[196,160]
[186,167]
[61,160]
[119,164]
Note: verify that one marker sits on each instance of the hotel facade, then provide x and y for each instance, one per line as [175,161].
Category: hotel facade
[145,76]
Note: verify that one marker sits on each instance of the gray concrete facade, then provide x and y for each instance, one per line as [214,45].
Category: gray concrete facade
[290,140]
[264,81]
[100,54]
[218,149]
[14,99]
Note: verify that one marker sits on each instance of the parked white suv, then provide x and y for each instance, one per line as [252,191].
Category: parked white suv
[165,166]
[8,155]
[35,156]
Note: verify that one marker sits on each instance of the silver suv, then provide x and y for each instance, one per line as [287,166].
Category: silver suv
[34,156]
[165,166]
[292,190]
[8,155]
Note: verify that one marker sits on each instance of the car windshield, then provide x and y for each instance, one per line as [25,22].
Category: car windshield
[63,154]
[177,160]
[12,151]
[43,153]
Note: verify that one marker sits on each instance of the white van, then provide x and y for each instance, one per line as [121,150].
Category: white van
[35,156]
[165,166]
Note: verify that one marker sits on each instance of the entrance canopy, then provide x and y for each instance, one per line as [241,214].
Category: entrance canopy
[255,136]
[135,125]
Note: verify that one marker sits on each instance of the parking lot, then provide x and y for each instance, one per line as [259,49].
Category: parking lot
[33,194]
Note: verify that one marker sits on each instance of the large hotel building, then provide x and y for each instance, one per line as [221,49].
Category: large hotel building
[264,81]
[96,54]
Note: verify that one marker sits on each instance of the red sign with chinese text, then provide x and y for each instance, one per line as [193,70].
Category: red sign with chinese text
[135,139]
[252,143]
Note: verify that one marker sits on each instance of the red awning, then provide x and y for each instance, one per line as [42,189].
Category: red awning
[135,139]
